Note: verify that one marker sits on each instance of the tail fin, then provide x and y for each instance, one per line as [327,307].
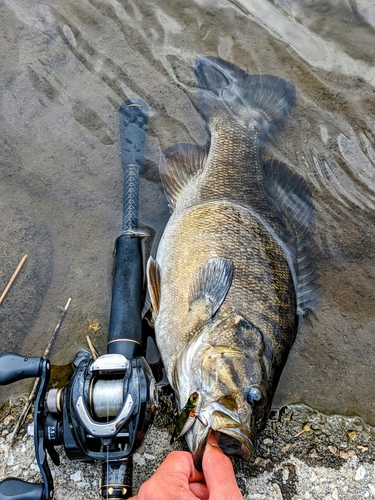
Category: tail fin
[259,100]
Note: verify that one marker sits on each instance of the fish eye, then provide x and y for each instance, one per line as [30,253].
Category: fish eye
[254,396]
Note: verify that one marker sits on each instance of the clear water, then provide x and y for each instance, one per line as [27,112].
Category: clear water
[64,71]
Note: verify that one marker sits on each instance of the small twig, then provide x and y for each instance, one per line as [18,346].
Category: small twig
[306,428]
[14,276]
[93,351]
[57,328]
[35,388]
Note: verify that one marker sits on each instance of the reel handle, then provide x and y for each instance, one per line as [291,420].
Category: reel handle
[17,489]
[14,367]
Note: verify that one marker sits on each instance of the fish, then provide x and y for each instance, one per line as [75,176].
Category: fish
[233,271]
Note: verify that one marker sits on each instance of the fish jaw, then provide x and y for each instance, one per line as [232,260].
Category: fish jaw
[233,438]
[223,376]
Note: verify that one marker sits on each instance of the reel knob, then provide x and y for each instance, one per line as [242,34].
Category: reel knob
[14,367]
[17,489]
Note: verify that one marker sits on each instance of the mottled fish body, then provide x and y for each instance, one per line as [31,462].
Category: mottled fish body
[232,271]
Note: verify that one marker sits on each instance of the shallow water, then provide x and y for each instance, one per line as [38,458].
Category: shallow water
[65,69]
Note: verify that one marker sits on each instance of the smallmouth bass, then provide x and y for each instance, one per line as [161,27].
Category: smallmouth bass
[233,270]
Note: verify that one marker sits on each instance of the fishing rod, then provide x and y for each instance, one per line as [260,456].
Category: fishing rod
[106,408]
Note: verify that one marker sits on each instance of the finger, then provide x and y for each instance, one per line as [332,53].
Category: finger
[171,479]
[180,462]
[199,490]
[218,473]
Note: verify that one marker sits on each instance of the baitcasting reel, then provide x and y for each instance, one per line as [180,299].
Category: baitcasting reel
[105,410]
[102,414]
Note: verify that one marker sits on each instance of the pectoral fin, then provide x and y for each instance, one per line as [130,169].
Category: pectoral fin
[210,285]
[153,284]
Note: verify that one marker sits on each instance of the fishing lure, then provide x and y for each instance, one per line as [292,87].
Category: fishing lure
[187,417]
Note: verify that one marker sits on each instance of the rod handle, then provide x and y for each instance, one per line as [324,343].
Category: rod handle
[117,478]
[133,127]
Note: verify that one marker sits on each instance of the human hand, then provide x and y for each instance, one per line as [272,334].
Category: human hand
[218,473]
[178,479]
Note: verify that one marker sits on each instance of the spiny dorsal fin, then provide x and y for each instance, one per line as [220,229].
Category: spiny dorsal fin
[211,283]
[153,284]
[291,194]
[180,164]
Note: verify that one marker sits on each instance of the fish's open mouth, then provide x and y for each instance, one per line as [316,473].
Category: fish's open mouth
[233,439]
[229,444]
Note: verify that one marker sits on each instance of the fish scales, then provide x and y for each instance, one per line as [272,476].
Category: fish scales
[261,286]
[234,163]
[233,268]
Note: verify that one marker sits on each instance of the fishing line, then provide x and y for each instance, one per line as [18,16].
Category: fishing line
[108,397]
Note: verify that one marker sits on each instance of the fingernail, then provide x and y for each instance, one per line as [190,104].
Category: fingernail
[212,440]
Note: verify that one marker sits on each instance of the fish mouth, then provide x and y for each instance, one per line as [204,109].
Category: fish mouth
[232,437]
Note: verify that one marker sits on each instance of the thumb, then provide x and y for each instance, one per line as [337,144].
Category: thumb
[218,473]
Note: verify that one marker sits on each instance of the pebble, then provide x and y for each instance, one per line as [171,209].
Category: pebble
[138,459]
[361,448]
[360,473]
[279,495]
[285,475]
[77,476]
[261,461]
[82,485]
[7,420]
[286,448]
[267,441]
[347,454]
[372,489]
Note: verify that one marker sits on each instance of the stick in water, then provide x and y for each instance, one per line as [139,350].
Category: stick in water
[94,352]
[13,278]
[34,390]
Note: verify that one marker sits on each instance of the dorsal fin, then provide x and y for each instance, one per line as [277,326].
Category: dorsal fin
[179,165]
[210,285]
[291,194]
